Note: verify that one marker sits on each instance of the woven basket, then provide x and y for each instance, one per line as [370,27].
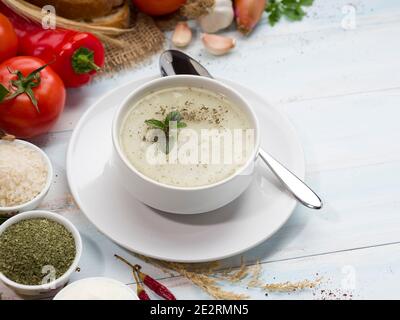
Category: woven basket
[125,48]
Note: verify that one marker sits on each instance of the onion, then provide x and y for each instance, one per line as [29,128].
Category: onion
[248,13]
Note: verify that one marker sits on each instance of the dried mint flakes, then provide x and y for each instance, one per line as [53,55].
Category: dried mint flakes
[29,245]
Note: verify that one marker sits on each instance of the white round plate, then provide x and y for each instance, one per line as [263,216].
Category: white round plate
[237,227]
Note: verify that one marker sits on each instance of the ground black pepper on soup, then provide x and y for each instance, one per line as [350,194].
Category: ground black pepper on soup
[215,139]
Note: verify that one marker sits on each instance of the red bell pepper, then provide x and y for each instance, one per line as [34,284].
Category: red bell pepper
[75,56]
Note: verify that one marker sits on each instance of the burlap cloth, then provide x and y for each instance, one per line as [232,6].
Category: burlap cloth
[147,36]
[125,48]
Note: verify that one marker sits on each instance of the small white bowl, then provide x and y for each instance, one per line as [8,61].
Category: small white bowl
[35,202]
[182,200]
[115,290]
[37,290]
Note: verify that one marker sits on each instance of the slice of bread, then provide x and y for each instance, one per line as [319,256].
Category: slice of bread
[81,9]
[118,18]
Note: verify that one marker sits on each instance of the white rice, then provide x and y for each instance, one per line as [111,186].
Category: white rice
[23,173]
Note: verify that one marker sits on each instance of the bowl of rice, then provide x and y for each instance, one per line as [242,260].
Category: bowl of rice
[25,174]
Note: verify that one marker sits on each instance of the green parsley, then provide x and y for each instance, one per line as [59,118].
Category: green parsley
[164,125]
[291,9]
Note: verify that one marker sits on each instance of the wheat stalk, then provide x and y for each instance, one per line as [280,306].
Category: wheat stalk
[207,277]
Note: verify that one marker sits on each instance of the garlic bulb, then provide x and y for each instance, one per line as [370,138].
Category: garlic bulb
[218,45]
[219,17]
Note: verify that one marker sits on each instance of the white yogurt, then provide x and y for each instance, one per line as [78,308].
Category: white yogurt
[96,289]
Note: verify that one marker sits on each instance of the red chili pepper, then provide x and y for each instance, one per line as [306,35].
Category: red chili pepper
[141,293]
[75,56]
[155,286]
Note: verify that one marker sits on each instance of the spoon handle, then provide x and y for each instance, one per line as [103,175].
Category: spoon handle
[296,187]
[176,62]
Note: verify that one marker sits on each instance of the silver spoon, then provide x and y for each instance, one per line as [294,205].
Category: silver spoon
[173,62]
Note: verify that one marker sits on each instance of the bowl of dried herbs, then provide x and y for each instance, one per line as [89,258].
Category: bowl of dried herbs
[39,250]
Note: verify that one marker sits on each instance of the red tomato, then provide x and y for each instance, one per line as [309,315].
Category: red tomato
[8,39]
[18,115]
[158,7]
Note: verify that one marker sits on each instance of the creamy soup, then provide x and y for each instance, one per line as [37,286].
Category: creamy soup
[211,141]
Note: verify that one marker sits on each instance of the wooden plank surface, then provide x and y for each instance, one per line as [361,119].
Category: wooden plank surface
[341,89]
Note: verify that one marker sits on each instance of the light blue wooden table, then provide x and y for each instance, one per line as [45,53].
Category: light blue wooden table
[336,75]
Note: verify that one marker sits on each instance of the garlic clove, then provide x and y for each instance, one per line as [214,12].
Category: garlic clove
[182,35]
[218,45]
